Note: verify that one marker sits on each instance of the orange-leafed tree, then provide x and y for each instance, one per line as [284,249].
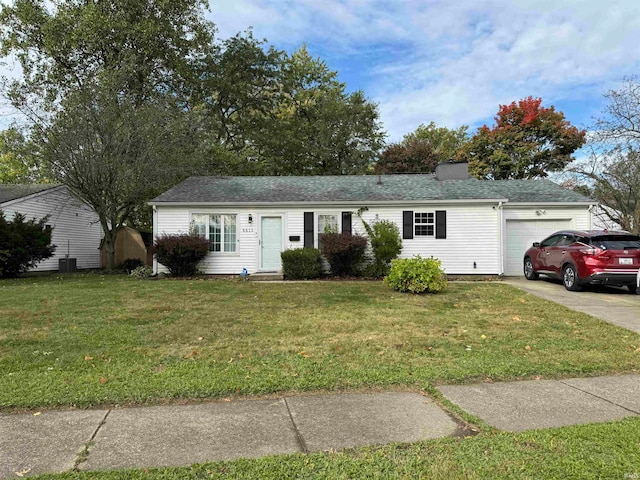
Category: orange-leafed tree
[528,140]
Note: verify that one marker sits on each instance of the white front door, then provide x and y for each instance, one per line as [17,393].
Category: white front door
[270,243]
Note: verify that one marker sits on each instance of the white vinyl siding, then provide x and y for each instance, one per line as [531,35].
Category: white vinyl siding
[76,228]
[472,236]
[476,232]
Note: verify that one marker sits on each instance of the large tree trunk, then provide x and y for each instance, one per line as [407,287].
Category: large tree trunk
[110,235]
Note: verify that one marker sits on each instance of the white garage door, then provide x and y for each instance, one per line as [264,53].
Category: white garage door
[521,234]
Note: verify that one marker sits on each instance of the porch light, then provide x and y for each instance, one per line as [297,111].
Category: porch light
[251,218]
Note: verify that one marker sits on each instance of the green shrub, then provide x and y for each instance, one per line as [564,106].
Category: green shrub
[301,263]
[417,275]
[181,253]
[344,252]
[23,243]
[386,245]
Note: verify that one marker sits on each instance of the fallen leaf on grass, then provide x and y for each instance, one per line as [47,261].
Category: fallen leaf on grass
[516,318]
[528,348]
[103,380]
[88,357]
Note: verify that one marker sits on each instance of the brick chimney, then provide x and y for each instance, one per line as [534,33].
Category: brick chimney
[452,170]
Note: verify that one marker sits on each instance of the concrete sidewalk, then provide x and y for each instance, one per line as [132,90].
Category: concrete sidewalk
[57,441]
[528,405]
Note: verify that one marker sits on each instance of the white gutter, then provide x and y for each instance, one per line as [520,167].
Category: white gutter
[154,235]
[354,203]
[501,239]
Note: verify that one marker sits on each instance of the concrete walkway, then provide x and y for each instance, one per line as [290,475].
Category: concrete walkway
[613,305]
[57,441]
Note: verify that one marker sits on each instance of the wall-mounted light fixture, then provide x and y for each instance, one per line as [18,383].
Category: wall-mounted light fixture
[250,218]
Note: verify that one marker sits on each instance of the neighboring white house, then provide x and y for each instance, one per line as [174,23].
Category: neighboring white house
[76,229]
[473,226]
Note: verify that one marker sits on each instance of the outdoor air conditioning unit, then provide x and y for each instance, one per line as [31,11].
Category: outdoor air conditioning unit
[66,264]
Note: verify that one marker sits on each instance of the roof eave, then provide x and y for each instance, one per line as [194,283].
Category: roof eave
[327,203]
[8,203]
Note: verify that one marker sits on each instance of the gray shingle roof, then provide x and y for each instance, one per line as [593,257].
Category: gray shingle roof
[10,192]
[360,188]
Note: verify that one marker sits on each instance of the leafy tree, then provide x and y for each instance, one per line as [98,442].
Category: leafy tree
[411,156]
[106,85]
[23,243]
[444,142]
[315,127]
[614,181]
[18,161]
[422,150]
[611,173]
[621,121]
[527,141]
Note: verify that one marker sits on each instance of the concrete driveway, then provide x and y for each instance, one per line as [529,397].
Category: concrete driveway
[611,304]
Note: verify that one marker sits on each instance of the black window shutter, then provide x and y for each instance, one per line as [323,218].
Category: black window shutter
[407,224]
[441,224]
[308,230]
[346,222]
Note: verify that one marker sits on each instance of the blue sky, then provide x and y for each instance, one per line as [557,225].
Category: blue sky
[453,62]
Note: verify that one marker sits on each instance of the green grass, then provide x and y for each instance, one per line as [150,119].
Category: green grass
[588,451]
[106,339]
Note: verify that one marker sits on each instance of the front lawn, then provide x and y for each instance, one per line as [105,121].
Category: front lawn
[93,339]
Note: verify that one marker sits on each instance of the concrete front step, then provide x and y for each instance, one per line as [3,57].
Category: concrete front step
[266,277]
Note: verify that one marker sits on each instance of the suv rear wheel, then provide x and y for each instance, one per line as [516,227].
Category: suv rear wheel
[570,279]
[529,271]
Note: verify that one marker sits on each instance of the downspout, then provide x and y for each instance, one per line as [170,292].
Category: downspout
[501,245]
[155,234]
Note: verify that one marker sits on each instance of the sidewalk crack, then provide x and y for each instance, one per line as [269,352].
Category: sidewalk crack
[601,398]
[301,443]
[83,455]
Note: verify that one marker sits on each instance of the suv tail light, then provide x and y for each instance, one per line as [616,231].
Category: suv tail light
[593,251]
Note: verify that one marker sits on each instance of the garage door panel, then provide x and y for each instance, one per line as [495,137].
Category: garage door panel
[520,234]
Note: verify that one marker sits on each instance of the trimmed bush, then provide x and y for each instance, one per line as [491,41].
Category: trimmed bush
[344,252]
[301,264]
[417,275]
[23,243]
[181,253]
[386,245]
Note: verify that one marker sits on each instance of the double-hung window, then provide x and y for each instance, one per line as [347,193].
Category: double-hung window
[326,224]
[424,224]
[220,229]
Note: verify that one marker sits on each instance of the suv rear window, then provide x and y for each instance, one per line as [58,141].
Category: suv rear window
[616,242]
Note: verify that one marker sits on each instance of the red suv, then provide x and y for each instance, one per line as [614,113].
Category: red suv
[593,257]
